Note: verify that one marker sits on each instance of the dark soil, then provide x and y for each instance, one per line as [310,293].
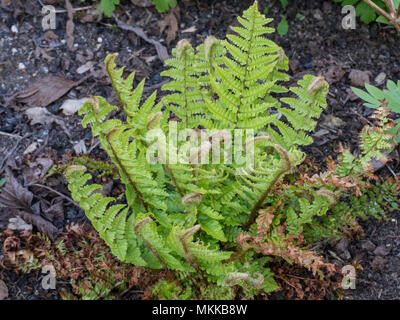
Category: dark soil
[316,45]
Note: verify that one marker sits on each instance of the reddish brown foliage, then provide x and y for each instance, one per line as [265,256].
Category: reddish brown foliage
[79,256]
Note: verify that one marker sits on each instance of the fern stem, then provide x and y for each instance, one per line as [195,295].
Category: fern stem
[286,165]
[188,255]
[174,181]
[131,182]
[185,88]
[136,228]
[246,66]
[259,203]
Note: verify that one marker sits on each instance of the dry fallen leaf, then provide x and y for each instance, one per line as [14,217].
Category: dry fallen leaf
[80,147]
[42,116]
[85,67]
[190,30]
[56,210]
[44,91]
[3,290]
[334,74]
[171,21]
[17,223]
[32,147]
[70,107]
[358,78]
[14,195]
[36,170]
[43,225]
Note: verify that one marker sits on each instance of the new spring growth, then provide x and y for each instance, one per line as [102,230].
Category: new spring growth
[208,46]
[192,199]
[154,121]
[256,281]
[317,84]
[182,46]
[330,195]
[74,168]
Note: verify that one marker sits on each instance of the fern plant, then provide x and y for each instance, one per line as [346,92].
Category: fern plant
[390,98]
[202,218]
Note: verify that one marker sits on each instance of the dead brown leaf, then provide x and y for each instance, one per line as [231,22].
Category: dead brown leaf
[42,116]
[49,36]
[41,52]
[44,91]
[56,210]
[170,21]
[37,170]
[14,195]
[358,78]
[43,225]
[334,74]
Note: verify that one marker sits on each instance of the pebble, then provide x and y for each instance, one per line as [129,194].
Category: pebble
[99,39]
[381,251]
[14,51]
[14,28]
[342,249]
[380,79]
[21,66]
[368,245]
[318,15]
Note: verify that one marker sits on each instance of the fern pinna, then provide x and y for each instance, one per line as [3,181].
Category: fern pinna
[203,217]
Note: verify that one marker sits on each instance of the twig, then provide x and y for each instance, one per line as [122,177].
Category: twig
[56,192]
[161,50]
[65,11]
[93,147]
[10,135]
[390,6]
[391,170]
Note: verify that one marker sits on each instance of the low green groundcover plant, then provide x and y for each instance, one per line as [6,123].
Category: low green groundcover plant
[108,6]
[217,220]
[382,11]
[388,98]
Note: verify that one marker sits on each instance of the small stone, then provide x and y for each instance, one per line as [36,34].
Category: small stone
[14,28]
[318,15]
[358,78]
[14,51]
[342,249]
[380,79]
[382,251]
[99,40]
[379,263]
[21,66]
[367,245]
